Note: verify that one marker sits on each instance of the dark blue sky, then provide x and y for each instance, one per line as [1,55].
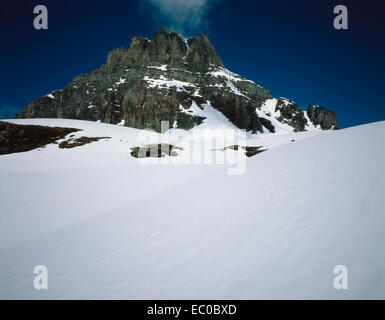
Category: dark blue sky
[289,47]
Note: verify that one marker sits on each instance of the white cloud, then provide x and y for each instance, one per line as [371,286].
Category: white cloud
[183,16]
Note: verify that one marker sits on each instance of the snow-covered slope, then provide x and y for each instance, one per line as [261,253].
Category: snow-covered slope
[107,226]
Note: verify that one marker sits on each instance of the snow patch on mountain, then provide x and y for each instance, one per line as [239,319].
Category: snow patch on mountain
[225,73]
[163,82]
[121,81]
[268,111]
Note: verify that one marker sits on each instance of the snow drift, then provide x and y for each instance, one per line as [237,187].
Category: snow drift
[107,227]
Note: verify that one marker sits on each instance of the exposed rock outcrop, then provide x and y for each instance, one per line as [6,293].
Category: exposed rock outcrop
[78,142]
[19,138]
[159,150]
[326,119]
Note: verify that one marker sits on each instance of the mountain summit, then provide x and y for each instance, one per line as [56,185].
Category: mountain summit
[194,54]
[170,78]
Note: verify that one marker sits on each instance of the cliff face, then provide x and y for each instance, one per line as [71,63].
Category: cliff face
[159,79]
[194,54]
[326,119]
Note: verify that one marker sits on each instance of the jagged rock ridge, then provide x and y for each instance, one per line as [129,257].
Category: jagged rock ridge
[160,79]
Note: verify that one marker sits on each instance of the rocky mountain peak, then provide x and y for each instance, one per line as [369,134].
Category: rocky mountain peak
[202,53]
[170,78]
[168,47]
